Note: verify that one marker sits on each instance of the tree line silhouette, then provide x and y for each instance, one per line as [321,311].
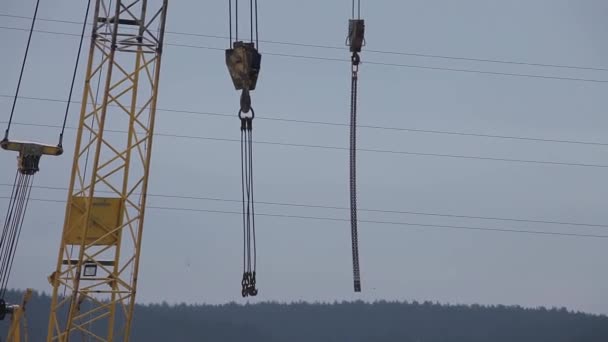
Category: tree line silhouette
[342,321]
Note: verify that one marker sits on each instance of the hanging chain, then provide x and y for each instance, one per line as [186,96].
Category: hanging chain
[355,40]
[353,174]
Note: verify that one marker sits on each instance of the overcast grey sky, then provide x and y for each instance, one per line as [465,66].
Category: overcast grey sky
[196,257]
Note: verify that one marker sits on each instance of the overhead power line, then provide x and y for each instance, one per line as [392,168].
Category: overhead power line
[392,151]
[396,65]
[387,52]
[333,207]
[328,147]
[376,127]
[394,223]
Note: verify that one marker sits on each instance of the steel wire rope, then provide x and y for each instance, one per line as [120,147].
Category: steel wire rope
[67,109]
[257,43]
[250,144]
[28,180]
[251,19]
[242,61]
[230,22]
[248,189]
[6,230]
[249,252]
[358,2]
[23,63]
[243,204]
[13,225]
[236,20]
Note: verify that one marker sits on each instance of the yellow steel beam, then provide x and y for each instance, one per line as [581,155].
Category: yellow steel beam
[95,281]
[32,147]
[17,331]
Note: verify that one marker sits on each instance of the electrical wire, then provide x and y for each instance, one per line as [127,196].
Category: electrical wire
[367,150]
[413,66]
[376,127]
[411,153]
[332,47]
[394,223]
[372,210]
[395,65]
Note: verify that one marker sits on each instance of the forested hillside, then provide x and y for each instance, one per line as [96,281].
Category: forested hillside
[349,322]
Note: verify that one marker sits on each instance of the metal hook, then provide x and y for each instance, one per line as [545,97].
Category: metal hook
[245,100]
[246,118]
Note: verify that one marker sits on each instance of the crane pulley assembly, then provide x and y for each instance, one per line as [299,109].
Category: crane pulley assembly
[356,40]
[243,61]
[242,58]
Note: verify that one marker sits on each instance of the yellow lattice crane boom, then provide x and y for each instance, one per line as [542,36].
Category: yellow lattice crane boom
[17,332]
[95,281]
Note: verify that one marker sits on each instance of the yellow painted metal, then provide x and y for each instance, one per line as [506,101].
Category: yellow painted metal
[95,281]
[29,154]
[17,332]
[104,221]
[31,147]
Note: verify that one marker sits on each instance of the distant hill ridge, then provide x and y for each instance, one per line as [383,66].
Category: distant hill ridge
[345,321]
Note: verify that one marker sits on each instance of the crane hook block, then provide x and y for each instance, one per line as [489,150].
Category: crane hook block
[29,154]
[356,34]
[243,62]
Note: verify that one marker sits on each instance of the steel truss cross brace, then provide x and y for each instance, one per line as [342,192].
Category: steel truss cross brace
[95,281]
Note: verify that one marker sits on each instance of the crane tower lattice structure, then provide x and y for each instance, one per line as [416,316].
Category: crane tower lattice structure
[95,281]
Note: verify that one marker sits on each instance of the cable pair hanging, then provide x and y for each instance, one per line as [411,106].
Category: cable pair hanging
[28,160]
[243,62]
